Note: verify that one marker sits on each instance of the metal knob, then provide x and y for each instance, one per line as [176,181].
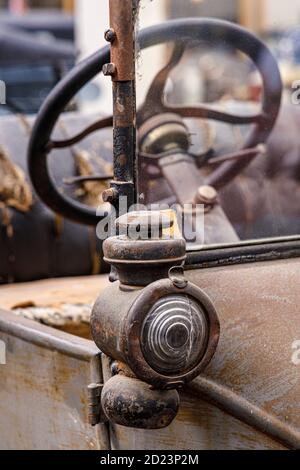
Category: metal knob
[148,225]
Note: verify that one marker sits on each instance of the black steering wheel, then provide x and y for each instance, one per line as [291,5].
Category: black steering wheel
[180,32]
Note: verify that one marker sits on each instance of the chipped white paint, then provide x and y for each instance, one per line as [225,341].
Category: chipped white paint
[296,353]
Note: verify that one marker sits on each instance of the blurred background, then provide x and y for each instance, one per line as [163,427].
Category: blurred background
[40,40]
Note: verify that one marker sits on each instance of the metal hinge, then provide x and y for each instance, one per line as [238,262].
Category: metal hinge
[95,411]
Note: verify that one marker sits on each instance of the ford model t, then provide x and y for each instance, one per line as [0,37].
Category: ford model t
[195,336]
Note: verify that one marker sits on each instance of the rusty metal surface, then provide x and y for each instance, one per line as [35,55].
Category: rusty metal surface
[198,426]
[117,329]
[107,318]
[132,329]
[256,359]
[121,37]
[95,411]
[132,403]
[44,337]
[259,329]
[124,139]
[244,253]
[237,406]
[122,45]
[144,253]
[43,396]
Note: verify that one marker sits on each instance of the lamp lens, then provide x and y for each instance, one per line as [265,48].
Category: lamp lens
[175,335]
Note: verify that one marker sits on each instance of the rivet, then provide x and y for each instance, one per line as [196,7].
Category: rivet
[110,35]
[109,195]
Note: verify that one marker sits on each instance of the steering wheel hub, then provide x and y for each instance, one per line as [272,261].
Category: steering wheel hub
[164,133]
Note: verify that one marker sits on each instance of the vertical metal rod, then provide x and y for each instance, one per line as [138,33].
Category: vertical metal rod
[121,35]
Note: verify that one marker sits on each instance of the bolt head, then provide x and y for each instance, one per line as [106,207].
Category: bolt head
[109,195]
[110,35]
[207,195]
[109,70]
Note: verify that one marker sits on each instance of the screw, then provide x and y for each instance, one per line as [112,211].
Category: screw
[177,277]
[109,195]
[262,149]
[109,70]
[110,35]
[207,195]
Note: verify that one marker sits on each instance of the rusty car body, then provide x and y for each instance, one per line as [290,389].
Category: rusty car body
[197,339]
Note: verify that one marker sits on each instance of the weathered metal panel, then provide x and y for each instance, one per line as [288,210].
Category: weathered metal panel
[258,306]
[43,396]
[199,426]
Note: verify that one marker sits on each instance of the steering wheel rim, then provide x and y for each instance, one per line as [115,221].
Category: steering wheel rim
[208,30]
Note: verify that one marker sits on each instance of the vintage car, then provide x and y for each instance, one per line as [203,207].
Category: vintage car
[195,335]
[36,50]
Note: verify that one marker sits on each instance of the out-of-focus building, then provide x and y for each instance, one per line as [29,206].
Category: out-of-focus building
[92,18]
[19,6]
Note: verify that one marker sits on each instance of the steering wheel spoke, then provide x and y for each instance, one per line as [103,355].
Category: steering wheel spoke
[96,126]
[207,112]
[87,179]
[154,101]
